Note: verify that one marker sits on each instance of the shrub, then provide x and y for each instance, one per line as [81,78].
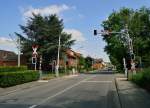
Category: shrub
[142,78]
[12,68]
[8,79]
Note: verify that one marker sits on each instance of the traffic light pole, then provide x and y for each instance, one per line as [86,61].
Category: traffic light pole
[129,44]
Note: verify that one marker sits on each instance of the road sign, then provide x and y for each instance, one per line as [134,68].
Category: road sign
[35,47]
[34,60]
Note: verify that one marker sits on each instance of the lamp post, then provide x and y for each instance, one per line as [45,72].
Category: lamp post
[18,51]
[17,43]
[58,53]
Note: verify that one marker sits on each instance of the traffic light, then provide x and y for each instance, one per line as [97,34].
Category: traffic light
[95,32]
[132,56]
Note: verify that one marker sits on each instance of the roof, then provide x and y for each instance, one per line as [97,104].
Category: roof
[72,53]
[7,56]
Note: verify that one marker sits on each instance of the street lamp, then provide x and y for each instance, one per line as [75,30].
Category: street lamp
[18,47]
[58,53]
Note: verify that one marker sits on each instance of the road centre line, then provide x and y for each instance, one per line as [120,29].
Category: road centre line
[98,81]
[59,93]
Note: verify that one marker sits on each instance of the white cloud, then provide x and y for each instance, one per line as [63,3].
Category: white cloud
[6,41]
[51,9]
[76,34]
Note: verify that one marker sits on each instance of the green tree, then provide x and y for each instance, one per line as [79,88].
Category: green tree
[88,62]
[139,29]
[44,32]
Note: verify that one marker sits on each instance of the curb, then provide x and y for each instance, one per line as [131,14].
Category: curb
[117,89]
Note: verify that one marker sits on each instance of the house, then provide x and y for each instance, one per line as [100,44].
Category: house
[71,59]
[8,58]
[98,64]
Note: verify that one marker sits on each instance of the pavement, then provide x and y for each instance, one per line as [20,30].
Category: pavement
[95,90]
[130,95]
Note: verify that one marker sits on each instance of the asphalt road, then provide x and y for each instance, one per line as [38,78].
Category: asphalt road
[83,91]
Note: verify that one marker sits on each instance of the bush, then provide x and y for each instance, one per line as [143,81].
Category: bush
[12,68]
[142,78]
[8,79]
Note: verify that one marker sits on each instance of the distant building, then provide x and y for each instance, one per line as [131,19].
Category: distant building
[71,58]
[9,58]
[98,64]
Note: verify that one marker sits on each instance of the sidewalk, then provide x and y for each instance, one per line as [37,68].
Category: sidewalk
[130,95]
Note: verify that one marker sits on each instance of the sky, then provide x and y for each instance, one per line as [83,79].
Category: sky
[80,18]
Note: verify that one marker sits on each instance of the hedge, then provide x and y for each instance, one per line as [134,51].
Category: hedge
[12,68]
[142,78]
[8,79]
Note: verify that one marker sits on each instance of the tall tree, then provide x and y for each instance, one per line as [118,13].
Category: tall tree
[88,62]
[139,29]
[44,32]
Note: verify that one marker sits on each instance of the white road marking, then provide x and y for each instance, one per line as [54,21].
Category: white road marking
[59,93]
[98,81]
[33,106]
[42,80]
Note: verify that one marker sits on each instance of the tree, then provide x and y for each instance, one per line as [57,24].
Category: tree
[44,31]
[139,29]
[88,62]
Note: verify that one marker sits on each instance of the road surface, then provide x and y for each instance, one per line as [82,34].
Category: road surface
[83,91]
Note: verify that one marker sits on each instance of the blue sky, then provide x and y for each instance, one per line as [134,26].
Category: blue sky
[80,18]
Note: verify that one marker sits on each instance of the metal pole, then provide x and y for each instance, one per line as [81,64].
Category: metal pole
[130,48]
[35,63]
[140,63]
[40,67]
[57,66]
[76,64]
[18,51]
[125,68]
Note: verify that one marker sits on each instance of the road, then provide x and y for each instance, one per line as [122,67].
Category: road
[83,91]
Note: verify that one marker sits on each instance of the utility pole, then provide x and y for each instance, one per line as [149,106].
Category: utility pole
[18,51]
[40,67]
[57,66]
[18,47]
[130,50]
[125,68]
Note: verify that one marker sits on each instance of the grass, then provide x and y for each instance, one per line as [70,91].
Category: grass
[49,76]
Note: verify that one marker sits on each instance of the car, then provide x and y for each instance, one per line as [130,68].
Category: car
[109,68]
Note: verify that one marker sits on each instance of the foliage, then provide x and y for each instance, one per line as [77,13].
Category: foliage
[142,78]
[44,31]
[88,62]
[81,61]
[8,79]
[139,29]
[12,68]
